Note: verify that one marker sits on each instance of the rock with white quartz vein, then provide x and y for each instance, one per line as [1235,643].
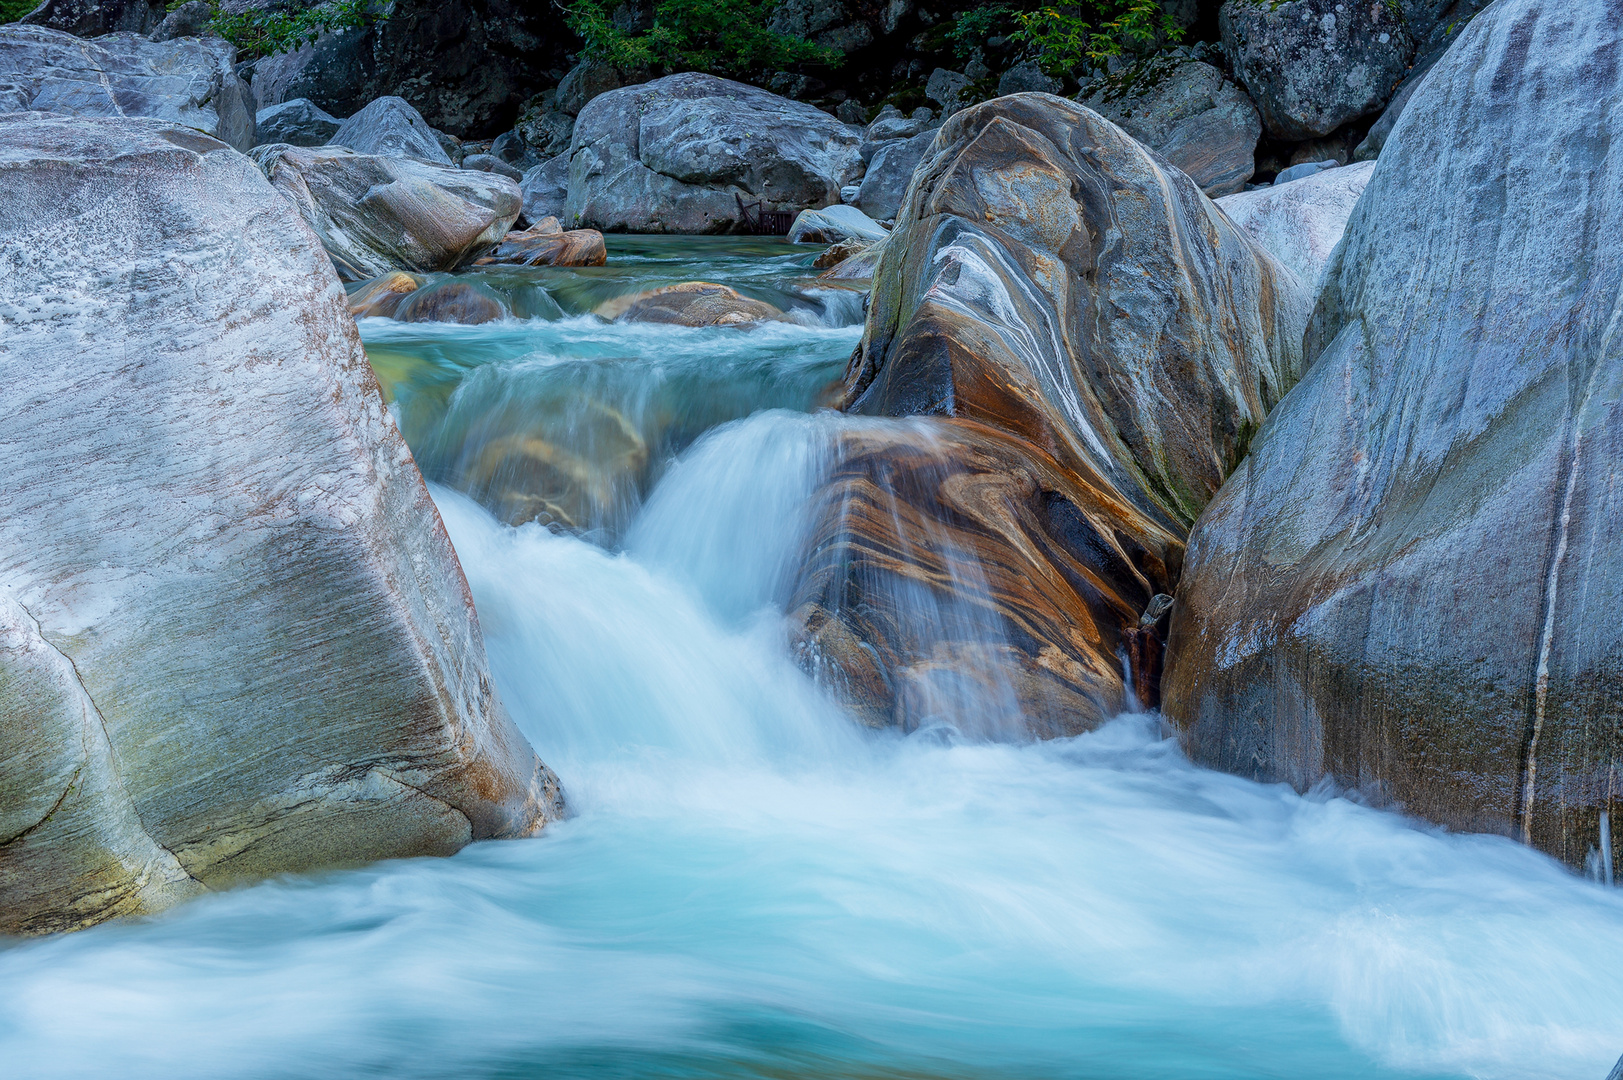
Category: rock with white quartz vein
[234,638]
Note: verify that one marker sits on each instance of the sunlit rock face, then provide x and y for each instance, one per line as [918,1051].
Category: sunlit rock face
[1114,340]
[1412,584]
[234,638]
[377,214]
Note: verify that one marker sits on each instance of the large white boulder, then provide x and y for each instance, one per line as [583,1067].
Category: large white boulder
[189,81]
[681,154]
[377,214]
[1300,223]
[234,638]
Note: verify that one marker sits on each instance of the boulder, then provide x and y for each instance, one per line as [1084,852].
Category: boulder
[1370,148]
[234,638]
[383,296]
[299,122]
[1027,77]
[389,127]
[190,19]
[833,224]
[547,244]
[491,164]
[684,153]
[692,303]
[1313,65]
[587,80]
[466,65]
[887,129]
[884,185]
[451,301]
[545,189]
[837,253]
[1299,224]
[947,89]
[510,147]
[1303,171]
[1092,419]
[833,24]
[1197,120]
[1411,584]
[546,131]
[92,18]
[189,82]
[377,214]
[849,262]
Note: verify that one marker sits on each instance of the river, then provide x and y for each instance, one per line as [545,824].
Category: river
[751,884]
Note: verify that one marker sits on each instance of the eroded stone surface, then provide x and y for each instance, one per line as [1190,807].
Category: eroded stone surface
[219,566]
[1412,584]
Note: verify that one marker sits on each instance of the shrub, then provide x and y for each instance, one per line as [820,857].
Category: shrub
[12,10]
[266,32]
[725,37]
[1068,39]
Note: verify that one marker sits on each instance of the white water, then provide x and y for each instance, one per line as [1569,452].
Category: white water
[753,887]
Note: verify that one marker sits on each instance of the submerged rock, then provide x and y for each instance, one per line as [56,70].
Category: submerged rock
[377,214]
[1196,119]
[189,82]
[1096,415]
[234,638]
[1300,223]
[461,302]
[383,296]
[1411,584]
[692,303]
[1313,65]
[684,153]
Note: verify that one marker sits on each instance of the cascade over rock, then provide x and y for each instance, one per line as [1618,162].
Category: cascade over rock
[1107,340]
[189,81]
[377,214]
[235,640]
[1412,583]
[682,153]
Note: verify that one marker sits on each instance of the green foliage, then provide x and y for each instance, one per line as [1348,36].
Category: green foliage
[12,10]
[725,37]
[1068,38]
[266,32]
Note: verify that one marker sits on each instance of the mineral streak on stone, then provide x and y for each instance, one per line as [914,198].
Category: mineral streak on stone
[1412,584]
[234,638]
[1116,341]
[377,214]
[546,243]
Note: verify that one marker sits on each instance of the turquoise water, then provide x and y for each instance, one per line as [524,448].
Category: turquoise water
[753,886]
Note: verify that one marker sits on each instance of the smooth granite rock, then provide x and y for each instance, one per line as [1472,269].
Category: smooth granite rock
[547,244]
[390,127]
[189,81]
[377,214]
[299,122]
[1412,583]
[884,185]
[1105,342]
[1197,120]
[833,224]
[691,303]
[1313,65]
[682,153]
[545,189]
[234,638]
[491,164]
[1300,223]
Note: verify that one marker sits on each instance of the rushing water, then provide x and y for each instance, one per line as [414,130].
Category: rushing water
[753,886]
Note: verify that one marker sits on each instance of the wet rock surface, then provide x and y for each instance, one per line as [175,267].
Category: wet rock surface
[377,214]
[276,647]
[547,244]
[692,303]
[1095,417]
[189,82]
[1408,585]
[684,153]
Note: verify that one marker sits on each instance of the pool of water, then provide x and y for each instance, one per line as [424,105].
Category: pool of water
[754,886]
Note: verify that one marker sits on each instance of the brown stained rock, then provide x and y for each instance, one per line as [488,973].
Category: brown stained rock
[452,302]
[1115,341]
[1059,562]
[235,640]
[692,303]
[383,296]
[1412,584]
[547,244]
